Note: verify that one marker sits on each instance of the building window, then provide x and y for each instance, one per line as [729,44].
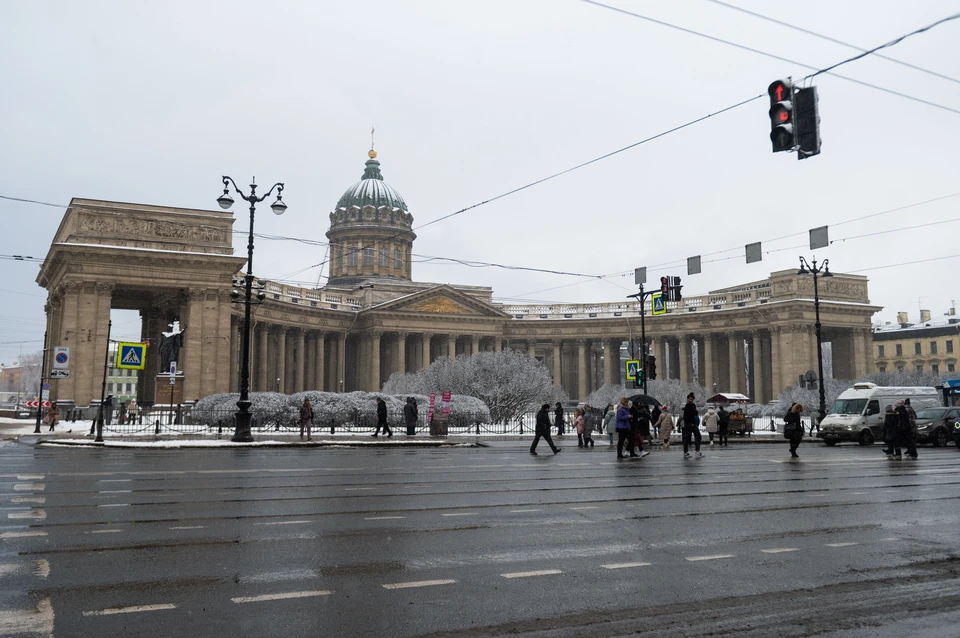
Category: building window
[899,368]
[949,345]
[384,255]
[919,368]
[933,347]
[917,349]
[368,256]
[899,349]
[951,367]
[883,368]
[339,254]
[129,388]
[880,352]
[352,260]
[396,258]
[934,368]
[109,387]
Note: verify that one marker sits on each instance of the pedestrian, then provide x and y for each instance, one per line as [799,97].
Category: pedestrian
[306,418]
[578,425]
[905,429]
[643,428]
[610,422]
[543,430]
[410,415]
[589,422]
[724,431]
[691,427]
[624,429]
[654,419]
[558,419]
[664,427]
[122,413]
[793,428]
[711,420]
[382,418]
[891,433]
[53,414]
[108,409]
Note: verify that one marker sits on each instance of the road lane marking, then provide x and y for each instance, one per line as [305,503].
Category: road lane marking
[284,523]
[461,514]
[284,596]
[418,583]
[190,527]
[29,487]
[29,499]
[858,493]
[115,491]
[780,550]
[522,511]
[383,518]
[38,622]
[352,489]
[42,568]
[21,534]
[114,480]
[587,507]
[36,514]
[543,572]
[114,505]
[712,557]
[624,565]
[129,610]
[848,544]
[30,477]
[104,531]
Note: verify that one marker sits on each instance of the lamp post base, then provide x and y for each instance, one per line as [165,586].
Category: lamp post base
[242,433]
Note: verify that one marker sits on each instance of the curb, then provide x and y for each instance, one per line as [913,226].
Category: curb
[174,444]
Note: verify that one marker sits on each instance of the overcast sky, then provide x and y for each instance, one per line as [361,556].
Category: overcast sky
[153,102]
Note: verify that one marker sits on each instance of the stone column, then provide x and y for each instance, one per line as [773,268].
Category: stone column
[862,352]
[68,337]
[401,366]
[582,369]
[673,354]
[776,378]
[708,375]
[557,369]
[281,359]
[193,344]
[425,349]
[374,358]
[684,348]
[611,357]
[318,361]
[498,344]
[301,360]
[262,358]
[452,346]
[475,344]
[150,328]
[756,354]
[341,363]
[234,375]
[532,348]
[732,345]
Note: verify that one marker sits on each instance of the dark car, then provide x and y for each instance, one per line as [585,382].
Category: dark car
[936,425]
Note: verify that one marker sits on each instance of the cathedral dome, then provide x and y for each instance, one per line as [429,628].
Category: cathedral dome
[371,190]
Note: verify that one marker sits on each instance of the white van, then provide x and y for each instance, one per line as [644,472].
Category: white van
[858,413]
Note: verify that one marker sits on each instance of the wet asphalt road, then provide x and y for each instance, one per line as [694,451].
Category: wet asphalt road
[476,542]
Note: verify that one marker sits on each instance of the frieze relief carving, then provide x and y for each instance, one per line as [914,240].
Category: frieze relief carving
[139,228]
[439,305]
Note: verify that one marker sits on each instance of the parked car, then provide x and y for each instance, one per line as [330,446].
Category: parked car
[935,425]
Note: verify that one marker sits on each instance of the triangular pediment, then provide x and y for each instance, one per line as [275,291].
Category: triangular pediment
[440,301]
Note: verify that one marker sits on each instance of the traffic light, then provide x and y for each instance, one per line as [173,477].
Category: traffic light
[807,117]
[674,289]
[664,287]
[638,382]
[781,116]
[651,367]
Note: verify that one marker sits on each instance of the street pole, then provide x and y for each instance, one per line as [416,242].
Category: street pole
[643,337]
[808,269]
[103,387]
[43,373]
[242,432]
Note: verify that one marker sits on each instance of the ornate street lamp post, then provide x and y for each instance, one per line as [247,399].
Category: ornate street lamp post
[807,269]
[242,432]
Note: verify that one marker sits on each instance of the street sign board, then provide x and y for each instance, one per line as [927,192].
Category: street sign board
[59,374]
[658,304]
[45,386]
[640,275]
[61,358]
[131,356]
[633,369]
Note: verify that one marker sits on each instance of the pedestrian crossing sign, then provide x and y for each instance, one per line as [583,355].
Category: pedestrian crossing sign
[658,304]
[131,356]
[632,369]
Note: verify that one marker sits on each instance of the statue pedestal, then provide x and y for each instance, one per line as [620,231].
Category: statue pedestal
[163,390]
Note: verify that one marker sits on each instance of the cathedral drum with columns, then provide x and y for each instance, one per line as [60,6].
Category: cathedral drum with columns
[372,320]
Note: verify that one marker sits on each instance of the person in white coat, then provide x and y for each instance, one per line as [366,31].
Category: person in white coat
[711,421]
[665,427]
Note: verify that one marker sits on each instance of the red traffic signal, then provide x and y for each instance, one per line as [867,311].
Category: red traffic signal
[664,287]
[781,116]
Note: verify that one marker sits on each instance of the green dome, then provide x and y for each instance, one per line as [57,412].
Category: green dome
[371,190]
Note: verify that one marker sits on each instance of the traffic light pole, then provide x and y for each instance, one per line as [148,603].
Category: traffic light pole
[642,296]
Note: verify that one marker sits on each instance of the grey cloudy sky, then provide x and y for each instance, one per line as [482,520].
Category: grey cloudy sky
[152,102]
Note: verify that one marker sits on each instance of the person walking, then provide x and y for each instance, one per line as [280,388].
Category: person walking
[53,415]
[793,428]
[382,418]
[108,410]
[589,423]
[654,429]
[543,430]
[664,427]
[610,422]
[891,433]
[691,427]
[558,419]
[643,428]
[711,420]
[410,415]
[905,429]
[624,430]
[724,430]
[578,426]
[306,418]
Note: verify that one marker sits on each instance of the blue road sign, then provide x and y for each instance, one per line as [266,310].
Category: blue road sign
[658,304]
[131,356]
